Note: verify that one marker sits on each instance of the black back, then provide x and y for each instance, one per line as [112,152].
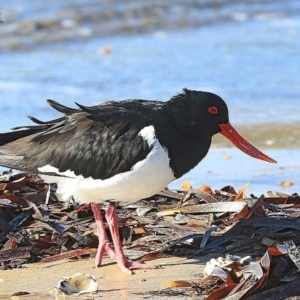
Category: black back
[102,141]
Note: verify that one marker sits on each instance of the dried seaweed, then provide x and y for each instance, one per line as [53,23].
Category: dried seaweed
[36,226]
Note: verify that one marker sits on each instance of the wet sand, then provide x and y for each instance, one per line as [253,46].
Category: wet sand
[39,279]
[269,135]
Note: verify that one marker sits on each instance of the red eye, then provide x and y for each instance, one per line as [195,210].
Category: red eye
[213,110]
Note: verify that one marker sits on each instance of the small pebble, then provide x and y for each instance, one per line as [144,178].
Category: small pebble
[105,50]
[226,157]
[286,184]
[269,142]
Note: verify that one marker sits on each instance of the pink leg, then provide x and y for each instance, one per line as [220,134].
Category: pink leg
[104,243]
[125,265]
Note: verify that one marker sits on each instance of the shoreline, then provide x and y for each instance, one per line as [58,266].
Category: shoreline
[272,135]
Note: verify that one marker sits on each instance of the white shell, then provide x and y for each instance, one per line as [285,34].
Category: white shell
[78,283]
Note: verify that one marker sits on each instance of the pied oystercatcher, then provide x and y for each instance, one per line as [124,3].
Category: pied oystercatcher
[120,151]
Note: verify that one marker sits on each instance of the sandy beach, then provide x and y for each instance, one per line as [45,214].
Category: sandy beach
[39,279]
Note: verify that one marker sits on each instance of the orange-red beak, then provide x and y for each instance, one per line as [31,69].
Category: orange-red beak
[228,131]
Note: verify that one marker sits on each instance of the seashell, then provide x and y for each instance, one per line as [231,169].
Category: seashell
[78,283]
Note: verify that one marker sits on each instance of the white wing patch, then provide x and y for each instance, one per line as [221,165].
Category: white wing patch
[146,178]
[50,169]
[148,134]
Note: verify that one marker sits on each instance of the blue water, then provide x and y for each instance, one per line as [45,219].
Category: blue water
[254,65]
[251,61]
[222,167]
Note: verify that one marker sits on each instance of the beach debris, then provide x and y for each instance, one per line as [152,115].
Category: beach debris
[70,254]
[175,284]
[17,294]
[259,236]
[78,284]
[185,185]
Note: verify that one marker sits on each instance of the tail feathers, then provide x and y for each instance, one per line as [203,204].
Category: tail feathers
[87,109]
[61,108]
[27,130]
[42,125]
[37,121]
[15,135]
[12,161]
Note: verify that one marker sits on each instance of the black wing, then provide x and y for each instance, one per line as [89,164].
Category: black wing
[98,142]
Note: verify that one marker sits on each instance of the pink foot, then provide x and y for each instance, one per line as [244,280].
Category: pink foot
[125,265]
[104,244]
